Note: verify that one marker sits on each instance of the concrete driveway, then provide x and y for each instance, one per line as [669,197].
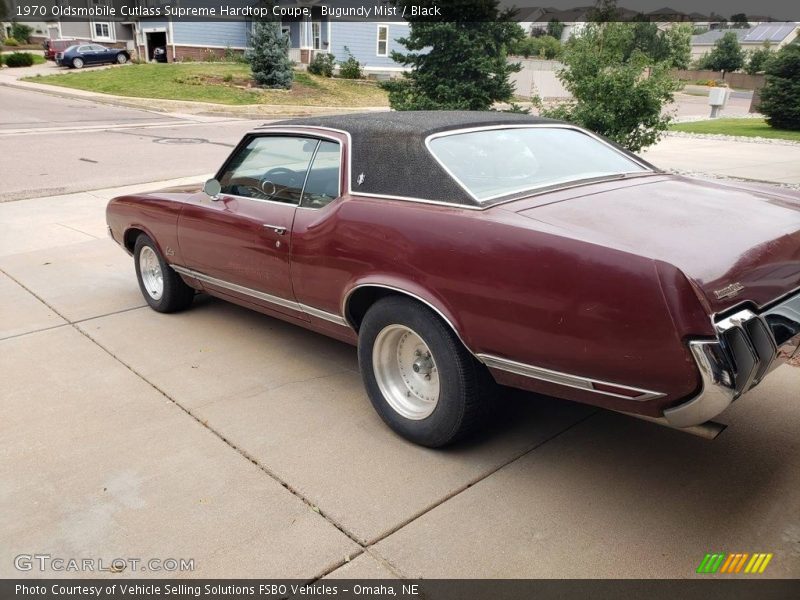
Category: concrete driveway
[248,445]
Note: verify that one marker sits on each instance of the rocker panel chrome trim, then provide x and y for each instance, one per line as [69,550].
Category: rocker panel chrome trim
[277,300]
[565,379]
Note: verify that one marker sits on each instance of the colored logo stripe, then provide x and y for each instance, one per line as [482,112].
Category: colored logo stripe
[734,563]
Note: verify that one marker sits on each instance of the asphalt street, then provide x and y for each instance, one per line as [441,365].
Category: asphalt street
[55,145]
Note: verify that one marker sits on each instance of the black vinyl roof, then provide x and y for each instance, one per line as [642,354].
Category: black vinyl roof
[388,149]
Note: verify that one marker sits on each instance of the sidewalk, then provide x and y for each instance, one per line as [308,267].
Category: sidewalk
[770,161]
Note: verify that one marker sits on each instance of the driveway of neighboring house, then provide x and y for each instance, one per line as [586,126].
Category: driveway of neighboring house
[248,445]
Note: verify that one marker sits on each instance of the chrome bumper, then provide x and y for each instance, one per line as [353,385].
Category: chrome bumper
[747,348]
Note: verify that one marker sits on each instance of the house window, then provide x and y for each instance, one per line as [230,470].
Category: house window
[102,30]
[383,40]
[316,35]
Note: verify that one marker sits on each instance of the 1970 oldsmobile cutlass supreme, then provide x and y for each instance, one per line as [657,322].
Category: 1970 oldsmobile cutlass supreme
[461,249]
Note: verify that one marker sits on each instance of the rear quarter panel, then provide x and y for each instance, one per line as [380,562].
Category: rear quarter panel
[511,290]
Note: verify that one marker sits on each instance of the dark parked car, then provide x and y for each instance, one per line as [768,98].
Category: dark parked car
[460,249]
[52,47]
[160,54]
[80,55]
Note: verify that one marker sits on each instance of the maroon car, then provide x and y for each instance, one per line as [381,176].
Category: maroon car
[459,250]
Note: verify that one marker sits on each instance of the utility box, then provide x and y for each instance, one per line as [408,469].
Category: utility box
[717,99]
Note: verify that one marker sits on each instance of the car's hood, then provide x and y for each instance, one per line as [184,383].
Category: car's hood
[723,236]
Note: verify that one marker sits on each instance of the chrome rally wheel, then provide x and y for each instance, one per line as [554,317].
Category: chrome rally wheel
[418,375]
[162,288]
[406,372]
[152,275]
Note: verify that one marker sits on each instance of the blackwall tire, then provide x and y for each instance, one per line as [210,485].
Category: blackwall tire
[418,375]
[162,288]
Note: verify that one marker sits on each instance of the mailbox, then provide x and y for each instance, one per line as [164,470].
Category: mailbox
[717,98]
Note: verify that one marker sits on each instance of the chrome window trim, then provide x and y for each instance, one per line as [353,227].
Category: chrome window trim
[277,300]
[554,186]
[308,173]
[315,129]
[279,129]
[565,379]
[419,200]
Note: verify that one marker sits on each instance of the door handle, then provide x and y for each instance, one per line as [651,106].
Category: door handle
[276,228]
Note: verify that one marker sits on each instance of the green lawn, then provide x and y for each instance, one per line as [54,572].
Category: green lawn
[742,127]
[222,83]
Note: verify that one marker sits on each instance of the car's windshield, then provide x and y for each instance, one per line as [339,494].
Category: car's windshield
[501,162]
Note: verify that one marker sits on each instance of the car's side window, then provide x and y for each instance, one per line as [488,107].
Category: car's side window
[322,185]
[97,48]
[270,168]
[83,49]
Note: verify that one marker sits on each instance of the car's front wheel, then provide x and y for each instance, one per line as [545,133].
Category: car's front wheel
[420,378]
[121,58]
[162,288]
[77,63]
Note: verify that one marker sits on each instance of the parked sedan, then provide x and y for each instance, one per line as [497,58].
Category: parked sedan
[81,55]
[458,250]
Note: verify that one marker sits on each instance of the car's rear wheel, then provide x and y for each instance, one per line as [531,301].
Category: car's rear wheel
[420,378]
[162,288]
[121,58]
[77,63]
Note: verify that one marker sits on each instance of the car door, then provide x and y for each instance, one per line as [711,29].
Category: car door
[102,54]
[240,243]
[85,54]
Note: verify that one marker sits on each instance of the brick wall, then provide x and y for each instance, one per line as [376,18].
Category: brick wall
[197,54]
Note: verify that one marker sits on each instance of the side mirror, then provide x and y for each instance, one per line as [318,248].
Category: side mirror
[212,188]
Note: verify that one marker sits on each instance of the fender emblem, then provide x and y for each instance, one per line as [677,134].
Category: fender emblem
[170,251]
[729,291]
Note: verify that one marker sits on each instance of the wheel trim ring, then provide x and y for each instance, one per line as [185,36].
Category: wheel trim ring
[410,394]
[151,273]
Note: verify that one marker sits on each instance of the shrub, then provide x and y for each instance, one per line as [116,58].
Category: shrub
[544,46]
[19,59]
[322,64]
[210,56]
[757,60]
[350,68]
[780,96]
[21,32]
[612,95]
[10,41]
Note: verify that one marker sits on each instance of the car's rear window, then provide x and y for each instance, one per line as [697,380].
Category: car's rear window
[502,162]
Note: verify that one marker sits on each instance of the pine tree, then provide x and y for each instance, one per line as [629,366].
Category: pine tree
[780,97]
[456,65]
[269,56]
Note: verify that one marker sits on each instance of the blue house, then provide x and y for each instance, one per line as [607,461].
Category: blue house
[370,42]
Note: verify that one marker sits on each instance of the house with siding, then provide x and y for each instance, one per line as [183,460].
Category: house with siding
[370,42]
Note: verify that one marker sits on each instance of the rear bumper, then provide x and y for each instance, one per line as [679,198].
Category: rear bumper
[747,348]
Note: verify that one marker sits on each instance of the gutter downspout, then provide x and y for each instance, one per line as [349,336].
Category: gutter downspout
[172,40]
